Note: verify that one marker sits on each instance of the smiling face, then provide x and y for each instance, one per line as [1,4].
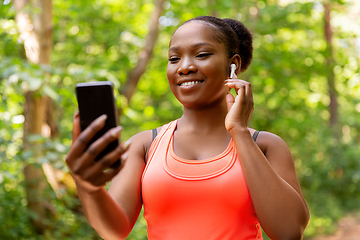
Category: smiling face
[198,65]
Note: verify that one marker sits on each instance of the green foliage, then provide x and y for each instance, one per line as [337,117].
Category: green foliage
[100,40]
[15,216]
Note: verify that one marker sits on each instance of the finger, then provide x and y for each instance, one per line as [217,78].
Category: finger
[230,100]
[76,126]
[236,81]
[236,85]
[99,145]
[85,136]
[241,91]
[109,159]
[106,176]
[234,76]
[101,178]
[99,174]
[96,171]
[249,92]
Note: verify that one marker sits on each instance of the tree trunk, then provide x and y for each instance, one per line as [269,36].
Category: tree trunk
[145,54]
[330,63]
[36,33]
[35,29]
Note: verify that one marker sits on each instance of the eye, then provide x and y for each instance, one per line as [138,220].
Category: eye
[173,59]
[203,55]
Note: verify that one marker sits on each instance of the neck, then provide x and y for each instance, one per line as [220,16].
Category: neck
[205,119]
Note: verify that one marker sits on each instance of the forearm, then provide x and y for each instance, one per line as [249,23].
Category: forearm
[279,207]
[104,214]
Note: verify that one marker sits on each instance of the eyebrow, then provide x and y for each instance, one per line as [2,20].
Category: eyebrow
[196,45]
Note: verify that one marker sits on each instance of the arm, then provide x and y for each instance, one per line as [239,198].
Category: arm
[271,178]
[273,186]
[111,215]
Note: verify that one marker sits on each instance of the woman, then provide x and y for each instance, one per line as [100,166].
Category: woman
[206,175]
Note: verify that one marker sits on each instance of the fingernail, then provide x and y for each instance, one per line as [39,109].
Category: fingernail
[127,144]
[76,114]
[116,132]
[101,119]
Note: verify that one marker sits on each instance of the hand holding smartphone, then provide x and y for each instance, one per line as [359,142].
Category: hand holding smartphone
[95,99]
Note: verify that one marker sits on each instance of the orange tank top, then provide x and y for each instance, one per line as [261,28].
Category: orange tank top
[196,199]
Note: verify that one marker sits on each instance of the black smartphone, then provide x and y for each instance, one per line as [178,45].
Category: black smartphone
[95,99]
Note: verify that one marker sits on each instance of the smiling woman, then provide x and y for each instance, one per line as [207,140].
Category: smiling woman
[206,175]
[198,66]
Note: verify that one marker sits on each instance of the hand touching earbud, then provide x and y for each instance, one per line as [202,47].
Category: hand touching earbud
[239,108]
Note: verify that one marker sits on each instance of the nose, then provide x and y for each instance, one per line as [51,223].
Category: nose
[186,66]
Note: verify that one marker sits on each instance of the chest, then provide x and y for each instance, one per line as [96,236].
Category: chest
[186,185]
[197,146]
[207,198]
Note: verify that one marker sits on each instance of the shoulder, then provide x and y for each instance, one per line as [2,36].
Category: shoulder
[279,156]
[141,139]
[271,143]
[141,142]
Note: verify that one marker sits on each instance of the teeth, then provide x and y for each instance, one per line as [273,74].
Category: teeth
[190,83]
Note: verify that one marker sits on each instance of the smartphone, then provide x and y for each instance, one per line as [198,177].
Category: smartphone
[95,99]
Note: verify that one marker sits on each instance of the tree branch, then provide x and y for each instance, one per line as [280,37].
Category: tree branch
[145,54]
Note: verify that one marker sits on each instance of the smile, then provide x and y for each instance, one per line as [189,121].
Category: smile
[190,83]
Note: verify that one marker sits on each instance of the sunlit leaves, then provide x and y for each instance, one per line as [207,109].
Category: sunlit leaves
[101,39]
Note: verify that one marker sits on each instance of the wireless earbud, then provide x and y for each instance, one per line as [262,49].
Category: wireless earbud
[233,67]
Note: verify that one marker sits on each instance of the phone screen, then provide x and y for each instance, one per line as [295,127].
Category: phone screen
[95,99]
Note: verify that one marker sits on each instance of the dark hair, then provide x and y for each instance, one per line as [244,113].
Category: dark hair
[236,37]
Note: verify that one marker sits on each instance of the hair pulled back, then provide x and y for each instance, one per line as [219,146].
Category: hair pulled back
[235,36]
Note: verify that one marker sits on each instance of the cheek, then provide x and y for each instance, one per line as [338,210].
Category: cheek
[168,71]
[171,71]
[218,69]
[170,77]
[217,74]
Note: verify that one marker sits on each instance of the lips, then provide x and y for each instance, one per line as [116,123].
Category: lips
[189,82]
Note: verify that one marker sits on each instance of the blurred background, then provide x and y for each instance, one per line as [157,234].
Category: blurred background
[305,76]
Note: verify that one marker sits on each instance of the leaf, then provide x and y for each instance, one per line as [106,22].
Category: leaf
[10,70]
[50,92]
[111,77]
[34,83]
[52,156]
[42,160]
[36,138]
[27,154]
[46,68]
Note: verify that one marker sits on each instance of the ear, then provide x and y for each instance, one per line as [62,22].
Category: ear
[237,61]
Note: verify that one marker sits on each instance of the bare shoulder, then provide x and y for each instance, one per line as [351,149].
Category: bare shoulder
[271,142]
[279,156]
[140,143]
[125,187]
[132,166]
[133,160]
[276,150]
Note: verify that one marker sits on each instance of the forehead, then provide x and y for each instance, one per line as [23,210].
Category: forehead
[195,32]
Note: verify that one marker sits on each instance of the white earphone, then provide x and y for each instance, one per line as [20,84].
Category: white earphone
[233,67]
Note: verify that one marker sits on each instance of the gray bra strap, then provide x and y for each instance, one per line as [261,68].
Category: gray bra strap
[255,135]
[154,133]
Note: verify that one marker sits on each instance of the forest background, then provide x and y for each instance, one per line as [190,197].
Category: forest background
[305,76]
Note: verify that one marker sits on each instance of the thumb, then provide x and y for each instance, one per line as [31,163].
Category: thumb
[229,100]
[76,127]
